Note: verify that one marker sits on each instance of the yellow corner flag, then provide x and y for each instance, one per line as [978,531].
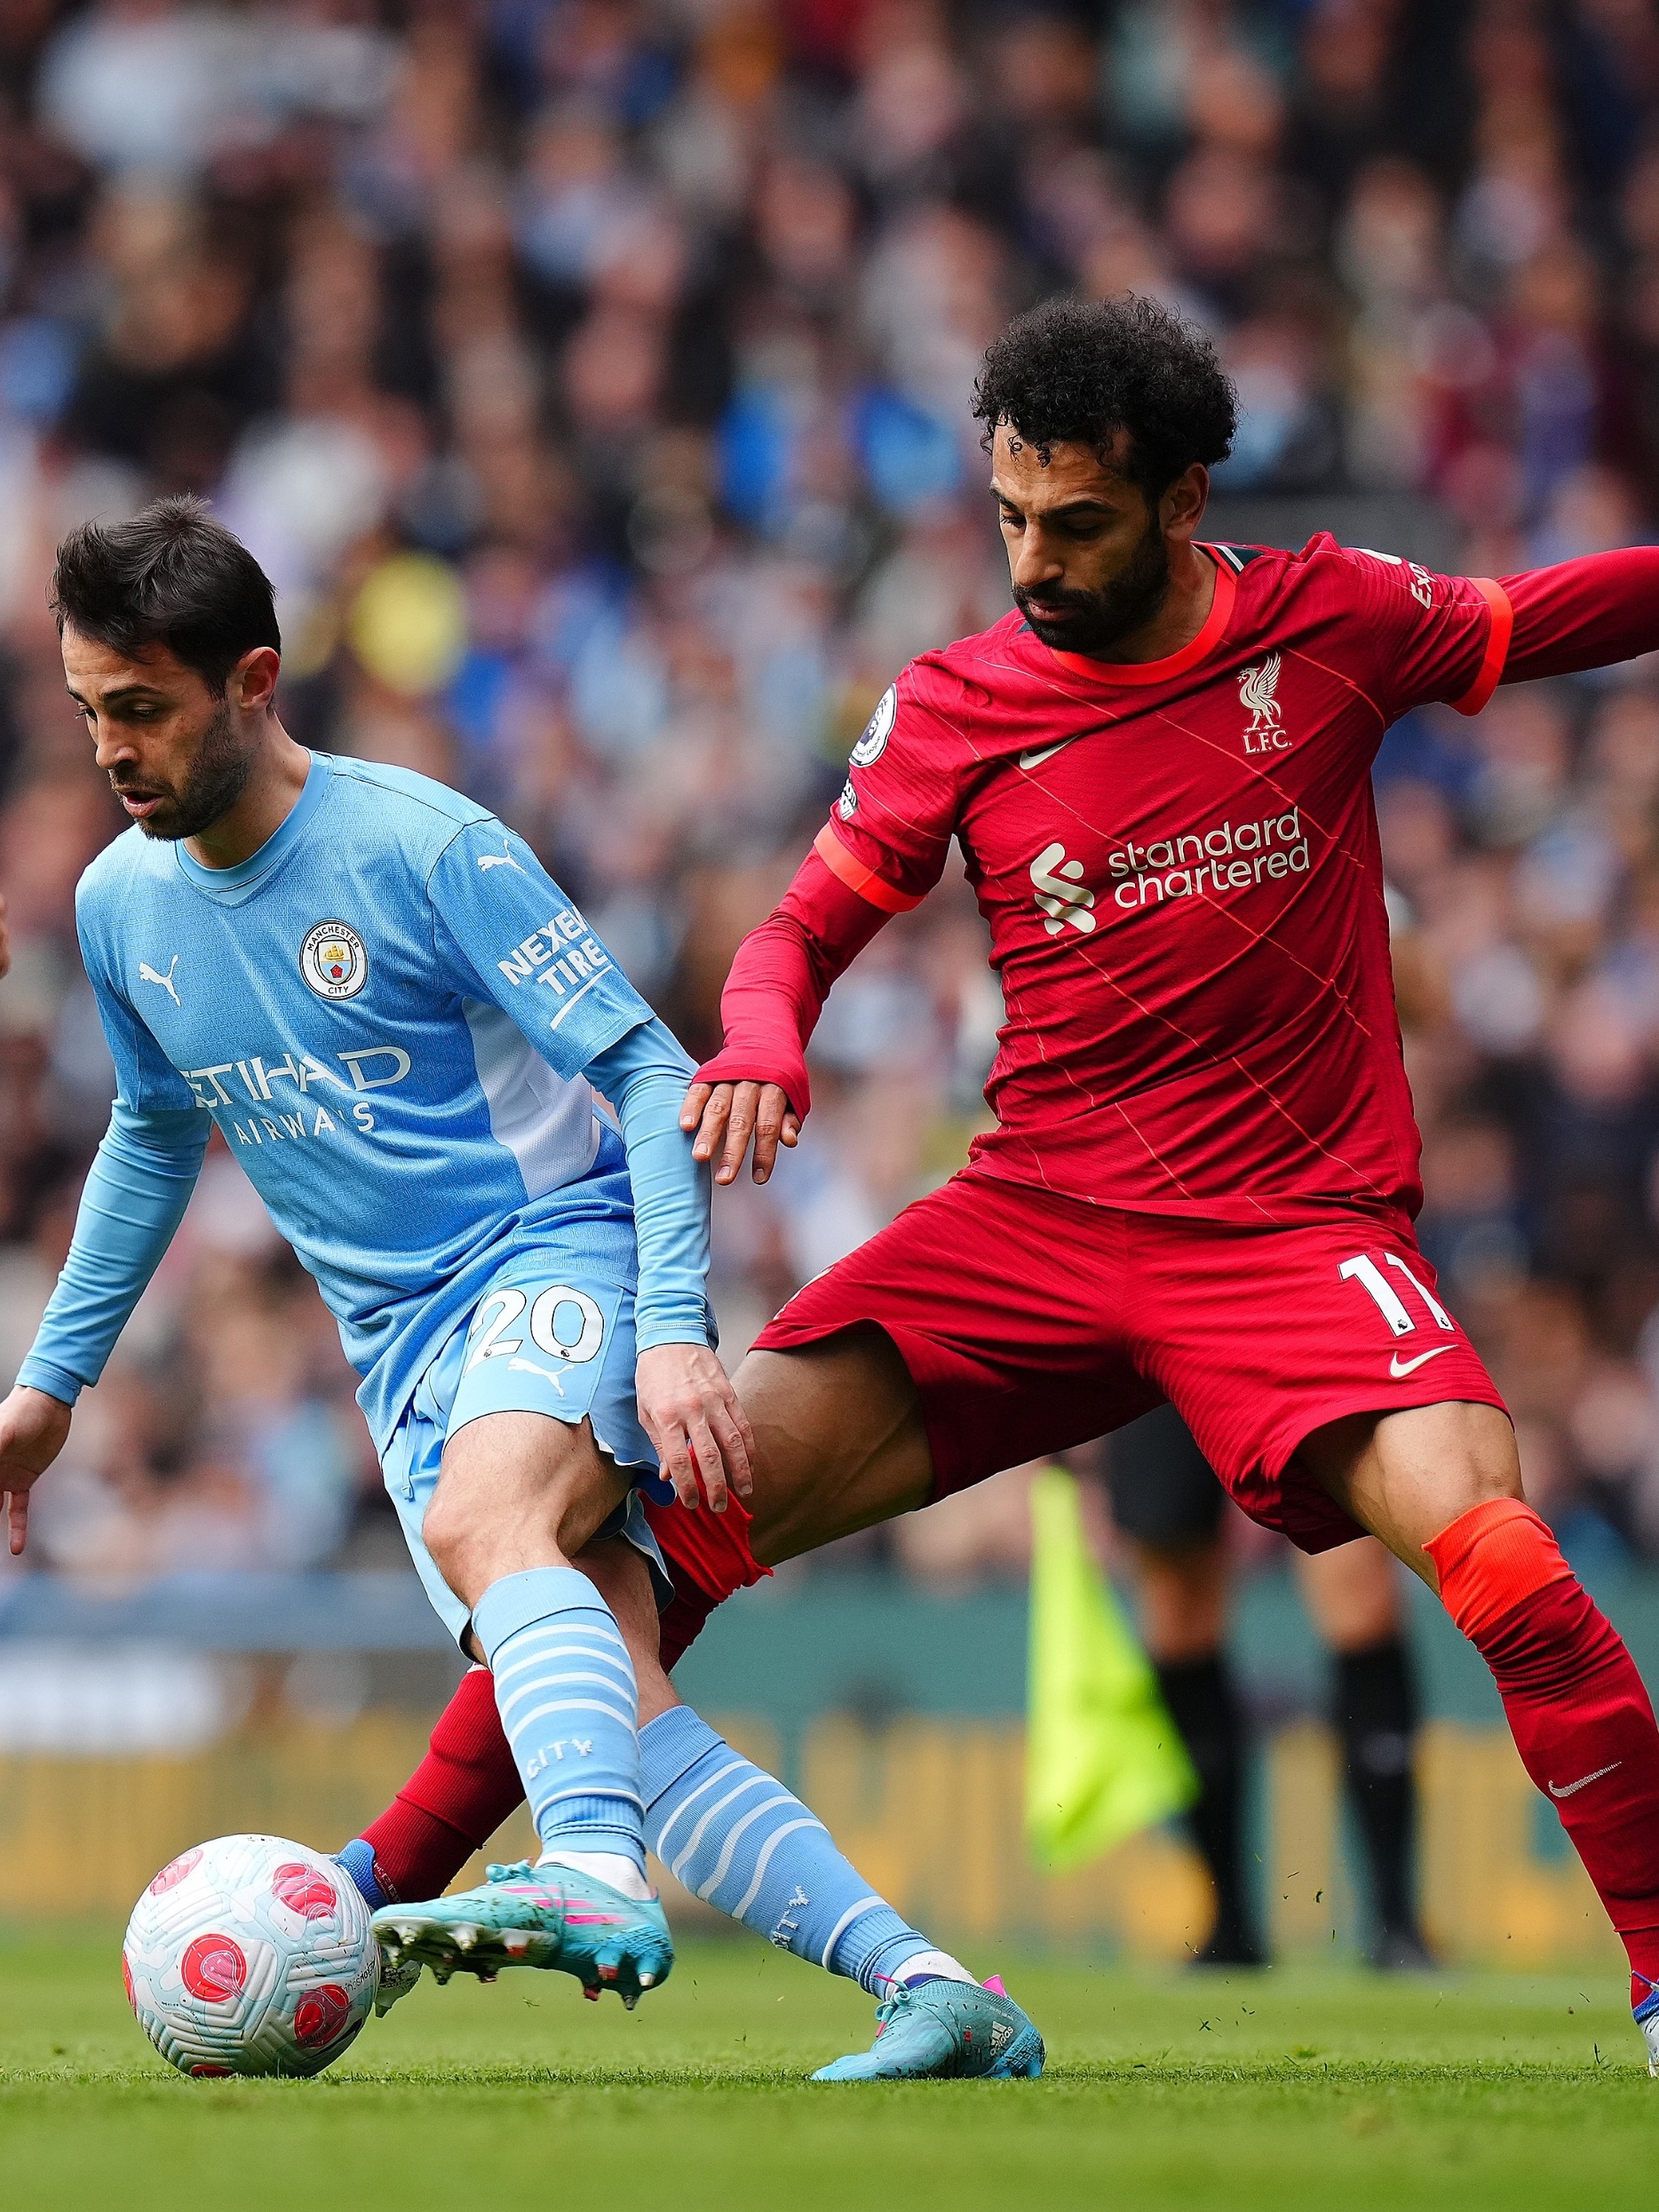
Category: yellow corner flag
[1103,1757]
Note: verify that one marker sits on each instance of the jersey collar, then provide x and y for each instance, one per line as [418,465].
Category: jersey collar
[281,842]
[1173,663]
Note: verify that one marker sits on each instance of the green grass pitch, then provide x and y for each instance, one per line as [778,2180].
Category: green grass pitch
[1282,2091]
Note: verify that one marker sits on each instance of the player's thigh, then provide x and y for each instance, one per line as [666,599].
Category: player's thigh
[1351,1594]
[542,1436]
[840,1442]
[514,1487]
[1406,1477]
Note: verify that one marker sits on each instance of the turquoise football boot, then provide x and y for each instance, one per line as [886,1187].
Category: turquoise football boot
[944,2031]
[544,1916]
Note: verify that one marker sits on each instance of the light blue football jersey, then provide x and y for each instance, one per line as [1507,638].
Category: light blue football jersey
[387,1011]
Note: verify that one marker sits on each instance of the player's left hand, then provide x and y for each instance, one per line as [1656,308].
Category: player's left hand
[693,1416]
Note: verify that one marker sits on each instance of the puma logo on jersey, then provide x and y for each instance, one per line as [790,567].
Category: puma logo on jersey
[1060,894]
[1257,694]
[147,975]
[502,859]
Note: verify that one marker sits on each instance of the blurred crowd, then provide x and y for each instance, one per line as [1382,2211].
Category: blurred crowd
[591,376]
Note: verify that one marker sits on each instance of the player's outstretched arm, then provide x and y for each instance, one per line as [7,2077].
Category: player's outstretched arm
[1583,614]
[756,1088]
[34,1427]
[135,1195]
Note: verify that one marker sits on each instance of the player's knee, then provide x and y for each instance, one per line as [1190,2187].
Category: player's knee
[447,1533]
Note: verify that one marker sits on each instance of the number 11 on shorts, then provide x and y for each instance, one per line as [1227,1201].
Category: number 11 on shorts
[1364,1271]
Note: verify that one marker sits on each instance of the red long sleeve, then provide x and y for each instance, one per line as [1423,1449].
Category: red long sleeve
[1583,614]
[780,978]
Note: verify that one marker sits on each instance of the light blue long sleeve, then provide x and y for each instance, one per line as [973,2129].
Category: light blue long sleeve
[135,1196]
[644,1076]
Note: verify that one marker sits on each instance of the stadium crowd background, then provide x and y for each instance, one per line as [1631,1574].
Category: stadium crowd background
[591,375]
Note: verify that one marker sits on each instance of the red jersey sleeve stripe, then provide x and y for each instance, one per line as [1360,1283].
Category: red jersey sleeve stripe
[1496,647]
[857,876]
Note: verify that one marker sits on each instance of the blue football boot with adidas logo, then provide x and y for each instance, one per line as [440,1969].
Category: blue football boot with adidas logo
[946,2031]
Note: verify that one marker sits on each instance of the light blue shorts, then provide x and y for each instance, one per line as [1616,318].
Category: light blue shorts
[548,1336]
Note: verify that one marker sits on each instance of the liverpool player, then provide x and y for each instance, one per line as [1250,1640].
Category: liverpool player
[1203,1171]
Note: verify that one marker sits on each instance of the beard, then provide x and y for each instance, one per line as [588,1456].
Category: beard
[215,781]
[1071,621]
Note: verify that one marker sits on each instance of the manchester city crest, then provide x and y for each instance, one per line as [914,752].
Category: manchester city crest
[333,962]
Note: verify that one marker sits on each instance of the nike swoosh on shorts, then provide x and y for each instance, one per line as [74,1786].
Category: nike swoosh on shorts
[1584,1781]
[1399,1368]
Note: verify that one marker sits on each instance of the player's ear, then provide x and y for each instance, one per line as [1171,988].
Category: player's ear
[1182,506]
[252,684]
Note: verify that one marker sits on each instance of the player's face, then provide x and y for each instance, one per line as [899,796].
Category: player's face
[1088,552]
[175,751]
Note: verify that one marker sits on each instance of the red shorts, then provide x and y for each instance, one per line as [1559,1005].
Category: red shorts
[1031,1322]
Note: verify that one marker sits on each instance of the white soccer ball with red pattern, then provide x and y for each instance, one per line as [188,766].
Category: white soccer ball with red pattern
[251,1955]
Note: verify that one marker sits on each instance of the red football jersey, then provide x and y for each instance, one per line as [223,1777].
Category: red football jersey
[1179,861]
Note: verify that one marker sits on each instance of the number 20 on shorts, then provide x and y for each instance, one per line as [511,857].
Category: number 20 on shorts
[491,1342]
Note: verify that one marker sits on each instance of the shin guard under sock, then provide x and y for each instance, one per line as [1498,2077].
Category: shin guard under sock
[565,1693]
[1200,1696]
[1577,1707]
[1376,1713]
[469,1782]
[743,1843]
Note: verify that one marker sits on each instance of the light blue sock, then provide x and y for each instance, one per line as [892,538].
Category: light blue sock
[565,1693]
[740,1842]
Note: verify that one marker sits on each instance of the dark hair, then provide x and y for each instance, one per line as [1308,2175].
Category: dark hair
[1080,371]
[173,576]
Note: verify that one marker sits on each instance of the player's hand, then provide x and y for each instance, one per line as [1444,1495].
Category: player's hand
[692,1415]
[726,1115]
[33,1428]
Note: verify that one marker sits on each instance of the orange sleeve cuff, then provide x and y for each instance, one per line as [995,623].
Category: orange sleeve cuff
[1498,638]
[1492,1558]
[858,878]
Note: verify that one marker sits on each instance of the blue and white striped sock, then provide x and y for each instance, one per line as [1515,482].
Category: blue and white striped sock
[565,1690]
[740,1842]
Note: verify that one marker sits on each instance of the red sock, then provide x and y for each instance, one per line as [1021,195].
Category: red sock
[1580,1715]
[454,1801]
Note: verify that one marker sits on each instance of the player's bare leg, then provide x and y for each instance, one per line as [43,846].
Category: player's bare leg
[517,1492]
[840,1442]
[1441,1485]
[519,1496]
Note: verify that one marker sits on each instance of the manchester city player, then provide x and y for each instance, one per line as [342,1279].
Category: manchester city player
[404,1031]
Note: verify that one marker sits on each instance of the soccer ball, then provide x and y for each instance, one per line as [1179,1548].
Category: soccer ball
[251,1955]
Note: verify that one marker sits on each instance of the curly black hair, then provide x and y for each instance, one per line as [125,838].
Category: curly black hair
[1080,371]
